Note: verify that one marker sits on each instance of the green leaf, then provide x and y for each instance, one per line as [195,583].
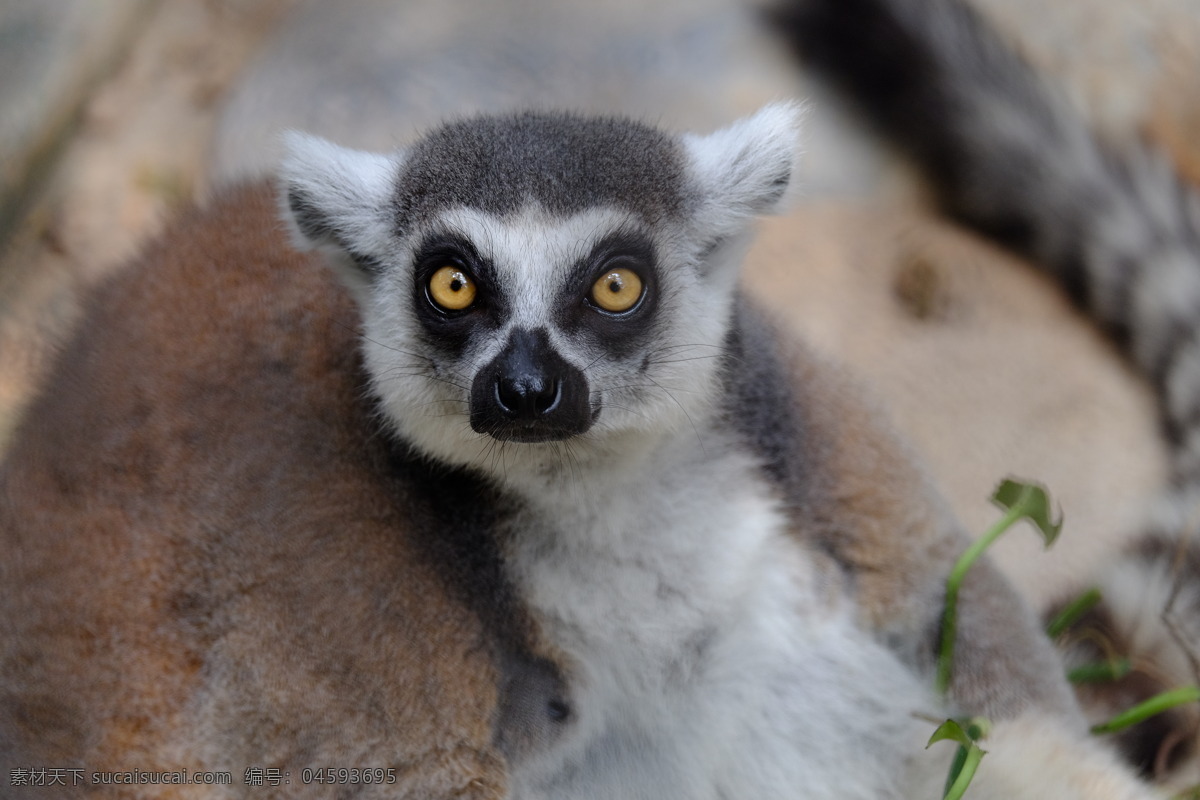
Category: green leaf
[1149,708]
[952,731]
[966,760]
[1073,612]
[1032,502]
[1101,671]
[979,728]
[964,732]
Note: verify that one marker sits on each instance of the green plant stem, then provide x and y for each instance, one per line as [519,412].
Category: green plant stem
[1155,705]
[1101,671]
[970,763]
[1073,612]
[954,583]
[956,768]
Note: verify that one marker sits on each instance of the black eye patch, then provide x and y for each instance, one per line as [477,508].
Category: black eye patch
[450,330]
[623,249]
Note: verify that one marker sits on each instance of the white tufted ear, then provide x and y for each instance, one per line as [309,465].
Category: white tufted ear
[744,171]
[337,200]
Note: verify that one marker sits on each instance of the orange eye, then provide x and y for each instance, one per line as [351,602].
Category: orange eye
[452,289]
[617,290]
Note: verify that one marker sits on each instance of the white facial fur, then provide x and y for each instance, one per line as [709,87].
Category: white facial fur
[531,253]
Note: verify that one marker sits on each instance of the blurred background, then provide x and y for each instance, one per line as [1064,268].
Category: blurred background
[115,114]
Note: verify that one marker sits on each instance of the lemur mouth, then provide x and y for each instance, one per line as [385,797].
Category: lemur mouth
[534,435]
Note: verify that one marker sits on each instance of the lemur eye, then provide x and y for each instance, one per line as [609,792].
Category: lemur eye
[452,289]
[617,290]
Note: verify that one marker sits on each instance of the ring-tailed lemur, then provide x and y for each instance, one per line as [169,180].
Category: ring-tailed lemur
[551,302]
[581,524]
[1115,224]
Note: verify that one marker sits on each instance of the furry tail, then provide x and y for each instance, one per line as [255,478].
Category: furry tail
[1005,154]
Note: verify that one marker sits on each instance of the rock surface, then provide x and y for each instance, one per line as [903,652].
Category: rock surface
[52,56]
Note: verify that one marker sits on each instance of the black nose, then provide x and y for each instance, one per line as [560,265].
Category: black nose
[528,396]
[530,393]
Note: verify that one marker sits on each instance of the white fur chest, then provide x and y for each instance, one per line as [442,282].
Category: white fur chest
[707,656]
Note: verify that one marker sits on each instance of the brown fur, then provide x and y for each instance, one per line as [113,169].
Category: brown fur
[205,565]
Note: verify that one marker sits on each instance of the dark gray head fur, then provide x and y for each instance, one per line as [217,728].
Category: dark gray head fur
[567,163]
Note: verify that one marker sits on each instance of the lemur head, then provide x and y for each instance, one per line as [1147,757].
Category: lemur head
[542,279]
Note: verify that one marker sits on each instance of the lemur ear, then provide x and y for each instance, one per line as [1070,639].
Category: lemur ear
[336,200]
[746,169]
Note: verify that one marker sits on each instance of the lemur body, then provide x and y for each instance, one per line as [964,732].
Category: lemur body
[580,524]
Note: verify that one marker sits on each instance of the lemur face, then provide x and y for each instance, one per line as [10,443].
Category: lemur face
[542,281]
[544,317]
[535,327]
